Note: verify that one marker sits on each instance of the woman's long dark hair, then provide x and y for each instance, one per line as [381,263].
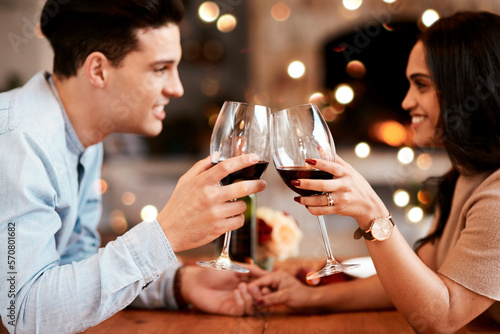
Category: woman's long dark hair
[463,56]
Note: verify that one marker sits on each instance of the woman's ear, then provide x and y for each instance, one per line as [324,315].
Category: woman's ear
[95,68]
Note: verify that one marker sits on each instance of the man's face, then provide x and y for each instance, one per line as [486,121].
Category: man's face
[142,85]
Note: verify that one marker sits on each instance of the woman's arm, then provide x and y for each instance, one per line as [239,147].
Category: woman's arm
[428,300]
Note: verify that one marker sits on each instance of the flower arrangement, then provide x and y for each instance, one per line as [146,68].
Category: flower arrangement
[279,235]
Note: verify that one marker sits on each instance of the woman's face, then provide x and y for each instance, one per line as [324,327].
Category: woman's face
[421,100]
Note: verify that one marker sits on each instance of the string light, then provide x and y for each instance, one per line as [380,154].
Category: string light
[362,150]
[208,11]
[296,69]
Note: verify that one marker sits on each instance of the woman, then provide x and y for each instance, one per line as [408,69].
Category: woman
[454,276]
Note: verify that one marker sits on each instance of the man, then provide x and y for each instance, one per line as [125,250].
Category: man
[115,69]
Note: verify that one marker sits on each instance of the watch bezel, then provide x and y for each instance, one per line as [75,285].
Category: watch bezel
[377,230]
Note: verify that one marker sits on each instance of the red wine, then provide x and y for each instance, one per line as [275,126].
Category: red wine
[294,173]
[253,172]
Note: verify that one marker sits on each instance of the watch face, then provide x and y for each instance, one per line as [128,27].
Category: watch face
[381,228]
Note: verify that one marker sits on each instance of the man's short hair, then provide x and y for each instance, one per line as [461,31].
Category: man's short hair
[76,28]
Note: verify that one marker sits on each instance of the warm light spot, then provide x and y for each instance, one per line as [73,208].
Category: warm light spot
[317,98]
[128,198]
[117,222]
[362,150]
[100,186]
[226,23]
[296,69]
[406,155]
[390,132]
[344,94]
[149,213]
[401,198]
[429,17]
[424,197]
[424,161]
[280,11]
[210,87]
[329,114]
[208,11]
[389,1]
[415,214]
[356,69]
[352,4]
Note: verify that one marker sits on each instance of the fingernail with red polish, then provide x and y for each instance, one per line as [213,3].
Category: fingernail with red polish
[311,161]
[295,183]
[297,199]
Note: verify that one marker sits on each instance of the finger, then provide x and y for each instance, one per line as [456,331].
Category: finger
[316,185]
[239,304]
[255,271]
[228,166]
[317,200]
[246,297]
[335,168]
[275,298]
[199,167]
[242,189]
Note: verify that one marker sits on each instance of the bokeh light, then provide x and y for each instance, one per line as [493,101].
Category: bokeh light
[352,4]
[128,198]
[280,11]
[424,161]
[356,69]
[317,98]
[406,155]
[226,23]
[362,150]
[117,222]
[389,1]
[100,186]
[390,132]
[424,197]
[401,198]
[344,94]
[149,213]
[429,17]
[415,214]
[296,69]
[208,11]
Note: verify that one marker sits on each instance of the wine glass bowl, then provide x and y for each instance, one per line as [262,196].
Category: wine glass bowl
[300,133]
[241,128]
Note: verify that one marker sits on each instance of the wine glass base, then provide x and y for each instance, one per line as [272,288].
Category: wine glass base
[330,269]
[222,263]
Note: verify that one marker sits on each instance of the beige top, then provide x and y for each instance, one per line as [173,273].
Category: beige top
[469,250]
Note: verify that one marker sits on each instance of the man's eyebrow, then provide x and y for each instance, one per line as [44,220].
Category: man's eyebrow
[164,61]
[419,75]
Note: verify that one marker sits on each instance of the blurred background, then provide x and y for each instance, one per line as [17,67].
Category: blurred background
[347,56]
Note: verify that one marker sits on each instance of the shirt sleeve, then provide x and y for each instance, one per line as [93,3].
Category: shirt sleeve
[44,295]
[474,261]
[160,294]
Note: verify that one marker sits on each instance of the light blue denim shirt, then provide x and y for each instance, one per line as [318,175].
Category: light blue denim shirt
[54,278]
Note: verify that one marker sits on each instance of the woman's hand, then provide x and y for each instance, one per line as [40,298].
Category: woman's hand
[281,288]
[200,209]
[351,193]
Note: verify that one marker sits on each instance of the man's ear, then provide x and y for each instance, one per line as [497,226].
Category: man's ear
[95,67]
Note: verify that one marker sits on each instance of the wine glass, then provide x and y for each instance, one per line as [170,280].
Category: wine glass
[300,133]
[241,128]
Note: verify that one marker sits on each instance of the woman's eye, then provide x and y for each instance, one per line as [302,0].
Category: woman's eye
[161,69]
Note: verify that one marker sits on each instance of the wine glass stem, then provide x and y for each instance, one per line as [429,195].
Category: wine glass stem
[225,247]
[326,241]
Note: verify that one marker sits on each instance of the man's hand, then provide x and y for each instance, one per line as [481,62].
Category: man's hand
[200,209]
[219,291]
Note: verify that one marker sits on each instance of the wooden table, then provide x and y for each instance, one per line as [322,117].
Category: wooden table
[178,322]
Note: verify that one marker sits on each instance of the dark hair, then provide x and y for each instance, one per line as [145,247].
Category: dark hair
[463,56]
[76,28]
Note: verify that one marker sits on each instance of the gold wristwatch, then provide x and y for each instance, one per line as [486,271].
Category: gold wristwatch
[380,229]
